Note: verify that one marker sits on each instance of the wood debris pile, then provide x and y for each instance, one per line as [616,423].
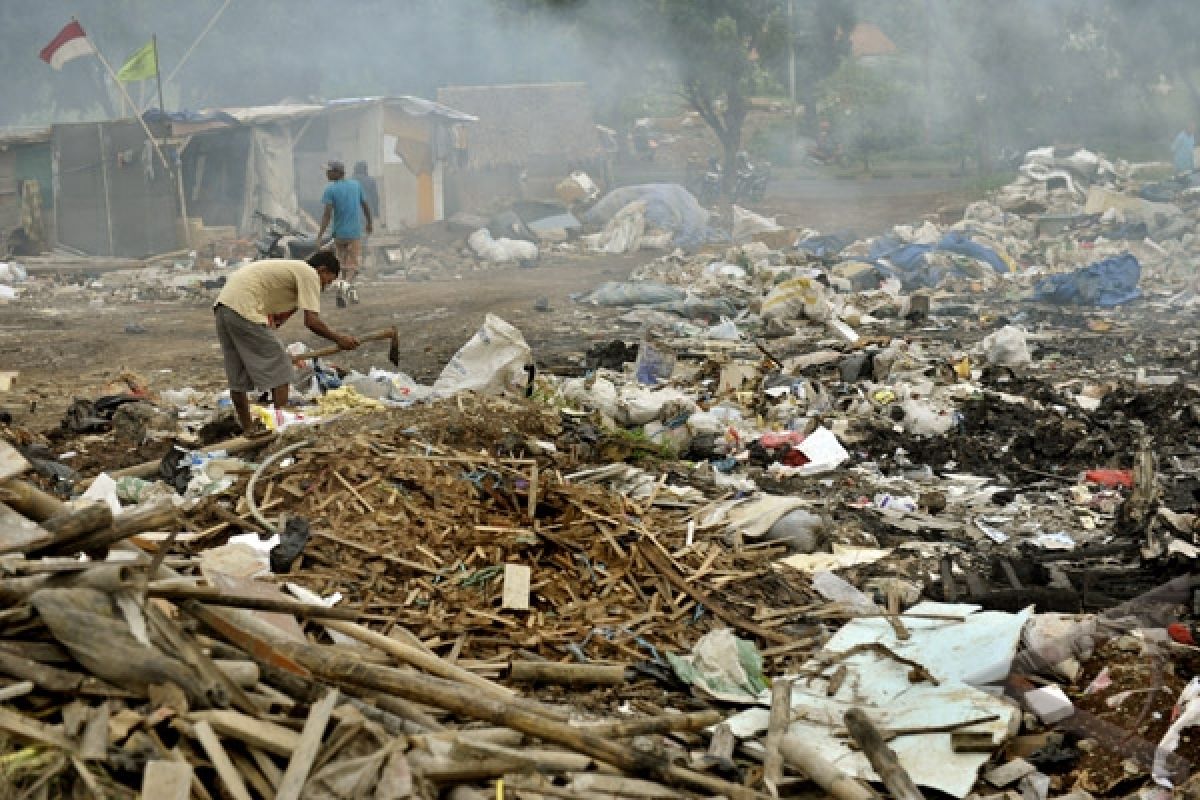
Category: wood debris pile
[486,598]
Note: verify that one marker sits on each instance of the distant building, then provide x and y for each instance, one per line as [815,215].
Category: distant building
[868,41]
[105,191]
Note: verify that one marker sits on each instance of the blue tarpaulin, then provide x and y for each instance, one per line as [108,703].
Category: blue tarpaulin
[960,243]
[907,262]
[1107,283]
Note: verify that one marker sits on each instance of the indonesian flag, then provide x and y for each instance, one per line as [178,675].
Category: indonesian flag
[70,43]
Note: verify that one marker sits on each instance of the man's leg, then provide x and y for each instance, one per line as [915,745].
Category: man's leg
[236,372]
[279,396]
[349,253]
[241,407]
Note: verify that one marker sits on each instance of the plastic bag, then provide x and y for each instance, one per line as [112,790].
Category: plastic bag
[637,406]
[494,361]
[798,297]
[623,233]
[500,250]
[653,366]
[746,223]
[1007,347]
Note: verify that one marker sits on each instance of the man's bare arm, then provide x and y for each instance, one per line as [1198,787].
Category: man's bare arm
[367,213]
[313,321]
[325,217]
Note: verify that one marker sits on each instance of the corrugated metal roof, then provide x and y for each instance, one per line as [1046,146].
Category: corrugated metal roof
[12,136]
[414,106]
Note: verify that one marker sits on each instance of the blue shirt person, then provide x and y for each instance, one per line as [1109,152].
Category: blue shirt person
[1183,150]
[343,200]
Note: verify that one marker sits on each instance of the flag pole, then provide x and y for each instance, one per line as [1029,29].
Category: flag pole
[187,53]
[125,94]
[157,74]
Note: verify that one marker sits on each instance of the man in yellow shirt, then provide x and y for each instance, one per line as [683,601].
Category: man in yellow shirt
[256,298]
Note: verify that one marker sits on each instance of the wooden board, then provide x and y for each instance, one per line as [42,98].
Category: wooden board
[167,780]
[516,587]
[256,732]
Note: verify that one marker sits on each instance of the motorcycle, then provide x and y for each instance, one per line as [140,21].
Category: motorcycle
[751,181]
[643,145]
[704,181]
[749,184]
[281,240]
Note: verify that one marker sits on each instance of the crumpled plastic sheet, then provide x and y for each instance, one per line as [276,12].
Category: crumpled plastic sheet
[1107,283]
[669,207]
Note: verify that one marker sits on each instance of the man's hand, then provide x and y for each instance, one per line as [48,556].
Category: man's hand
[347,342]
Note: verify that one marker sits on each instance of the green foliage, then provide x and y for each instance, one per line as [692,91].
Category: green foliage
[868,112]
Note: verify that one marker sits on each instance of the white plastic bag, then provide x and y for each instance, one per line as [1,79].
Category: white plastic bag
[1007,347]
[637,406]
[746,223]
[501,250]
[493,361]
[798,297]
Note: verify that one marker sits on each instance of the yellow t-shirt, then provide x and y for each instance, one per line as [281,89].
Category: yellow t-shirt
[272,287]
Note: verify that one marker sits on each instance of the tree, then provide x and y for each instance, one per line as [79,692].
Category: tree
[869,112]
[717,46]
[821,40]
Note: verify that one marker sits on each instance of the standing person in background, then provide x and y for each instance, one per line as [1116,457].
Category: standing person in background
[343,200]
[370,192]
[1183,150]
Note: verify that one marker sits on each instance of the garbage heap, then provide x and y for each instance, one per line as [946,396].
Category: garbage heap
[900,523]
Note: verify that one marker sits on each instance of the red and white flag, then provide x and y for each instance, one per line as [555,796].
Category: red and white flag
[70,43]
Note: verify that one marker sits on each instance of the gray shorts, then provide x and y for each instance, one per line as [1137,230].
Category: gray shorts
[254,356]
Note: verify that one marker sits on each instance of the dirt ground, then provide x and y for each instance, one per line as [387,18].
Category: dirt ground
[75,346]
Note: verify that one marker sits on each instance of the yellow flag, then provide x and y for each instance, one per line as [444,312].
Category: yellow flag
[141,65]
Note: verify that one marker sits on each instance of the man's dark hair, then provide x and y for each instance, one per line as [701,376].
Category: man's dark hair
[326,260]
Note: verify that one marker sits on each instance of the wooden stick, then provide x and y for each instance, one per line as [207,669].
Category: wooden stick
[337,666]
[28,729]
[146,469]
[663,723]
[362,548]
[30,501]
[216,597]
[15,690]
[45,676]
[220,759]
[781,716]
[416,657]
[350,488]
[72,524]
[837,783]
[549,672]
[306,751]
[883,758]
[138,520]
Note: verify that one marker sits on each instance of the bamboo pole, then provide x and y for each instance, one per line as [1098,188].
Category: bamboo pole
[549,672]
[883,758]
[337,667]
[840,785]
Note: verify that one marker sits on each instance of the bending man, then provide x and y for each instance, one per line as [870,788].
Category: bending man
[256,298]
